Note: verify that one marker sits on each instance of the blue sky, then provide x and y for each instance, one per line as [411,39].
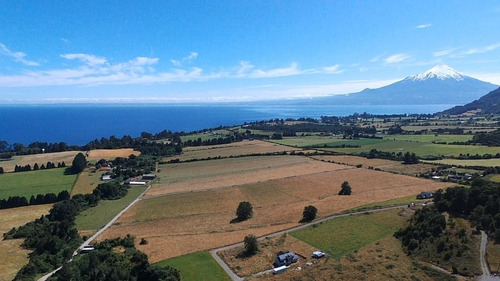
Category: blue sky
[205,51]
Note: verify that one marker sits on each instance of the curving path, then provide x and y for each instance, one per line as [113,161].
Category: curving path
[110,223]
[235,277]
[484,264]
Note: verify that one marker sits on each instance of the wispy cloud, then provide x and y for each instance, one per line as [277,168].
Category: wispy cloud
[291,70]
[334,69]
[85,58]
[188,58]
[481,50]
[396,58]
[424,26]
[445,52]
[17,56]
[378,58]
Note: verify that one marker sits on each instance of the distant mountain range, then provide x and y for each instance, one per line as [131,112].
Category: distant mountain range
[439,85]
[487,104]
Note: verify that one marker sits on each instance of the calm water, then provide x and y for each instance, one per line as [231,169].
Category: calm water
[79,124]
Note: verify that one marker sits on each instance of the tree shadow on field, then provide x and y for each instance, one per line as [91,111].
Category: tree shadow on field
[236,220]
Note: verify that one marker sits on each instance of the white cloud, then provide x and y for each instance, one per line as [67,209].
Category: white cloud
[87,59]
[334,69]
[424,25]
[378,58]
[397,58]
[189,58]
[482,49]
[293,69]
[17,56]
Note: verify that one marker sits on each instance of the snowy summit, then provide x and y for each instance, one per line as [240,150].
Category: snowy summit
[440,71]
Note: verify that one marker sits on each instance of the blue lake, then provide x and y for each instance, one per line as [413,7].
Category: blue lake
[81,123]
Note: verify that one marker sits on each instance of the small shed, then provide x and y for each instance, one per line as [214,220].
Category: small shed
[425,195]
[106,177]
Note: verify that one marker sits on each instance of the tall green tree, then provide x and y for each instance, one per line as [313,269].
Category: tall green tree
[345,189]
[244,211]
[79,163]
[309,213]
[251,245]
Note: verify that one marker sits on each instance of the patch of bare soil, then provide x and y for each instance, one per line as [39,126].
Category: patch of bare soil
[13,257]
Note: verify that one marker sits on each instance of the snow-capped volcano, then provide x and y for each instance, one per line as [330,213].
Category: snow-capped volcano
[438,85]
[440,71]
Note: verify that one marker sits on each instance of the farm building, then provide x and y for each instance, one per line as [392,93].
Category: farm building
[106,177]
[425,195]
[285,258]
[134,181]
[148,176]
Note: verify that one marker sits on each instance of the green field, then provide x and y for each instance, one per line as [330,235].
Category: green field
[35,182]
[97,217]
[419,148]
[198,266]
[393,202]
[432,138]
[345,235]
[467,162]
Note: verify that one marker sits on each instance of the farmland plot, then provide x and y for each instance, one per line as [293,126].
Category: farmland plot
[198,215]
[232,149]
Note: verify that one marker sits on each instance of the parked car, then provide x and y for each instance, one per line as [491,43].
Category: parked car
[318,254]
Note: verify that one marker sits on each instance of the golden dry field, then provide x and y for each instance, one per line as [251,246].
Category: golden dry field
[193,206]
[56,157]
[13,257]
[382,164]
[232,149]
[98,154]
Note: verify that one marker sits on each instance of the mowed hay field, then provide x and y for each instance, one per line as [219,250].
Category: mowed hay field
[56,157]
[196,215]
[232,149]
[13,257]
[108,154]
[382,164]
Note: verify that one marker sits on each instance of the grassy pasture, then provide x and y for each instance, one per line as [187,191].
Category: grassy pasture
[13,257]
[420,148]
[94,218]
[35,182]
[198,215]
[98,154]
[495,178]
[493,256]
[345,235]
[468,162]
[197,266]
[432,138]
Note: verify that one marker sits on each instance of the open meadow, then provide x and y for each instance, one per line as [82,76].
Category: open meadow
[35,182]
[197,266]
[195,203]
[468,162]
[13,257]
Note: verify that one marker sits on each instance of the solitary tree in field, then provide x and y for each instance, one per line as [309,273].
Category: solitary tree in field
[79,163]
[345,189]
[309,213]
[244,211]
[251,245]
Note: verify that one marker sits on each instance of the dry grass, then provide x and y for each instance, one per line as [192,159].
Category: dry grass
[268,249]
[233,149]
[384,260]
[66,156]
[279,188]
[98,154]
[382,164]
[493,255]
[13,257]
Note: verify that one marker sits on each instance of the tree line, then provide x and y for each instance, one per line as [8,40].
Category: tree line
[21,201]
